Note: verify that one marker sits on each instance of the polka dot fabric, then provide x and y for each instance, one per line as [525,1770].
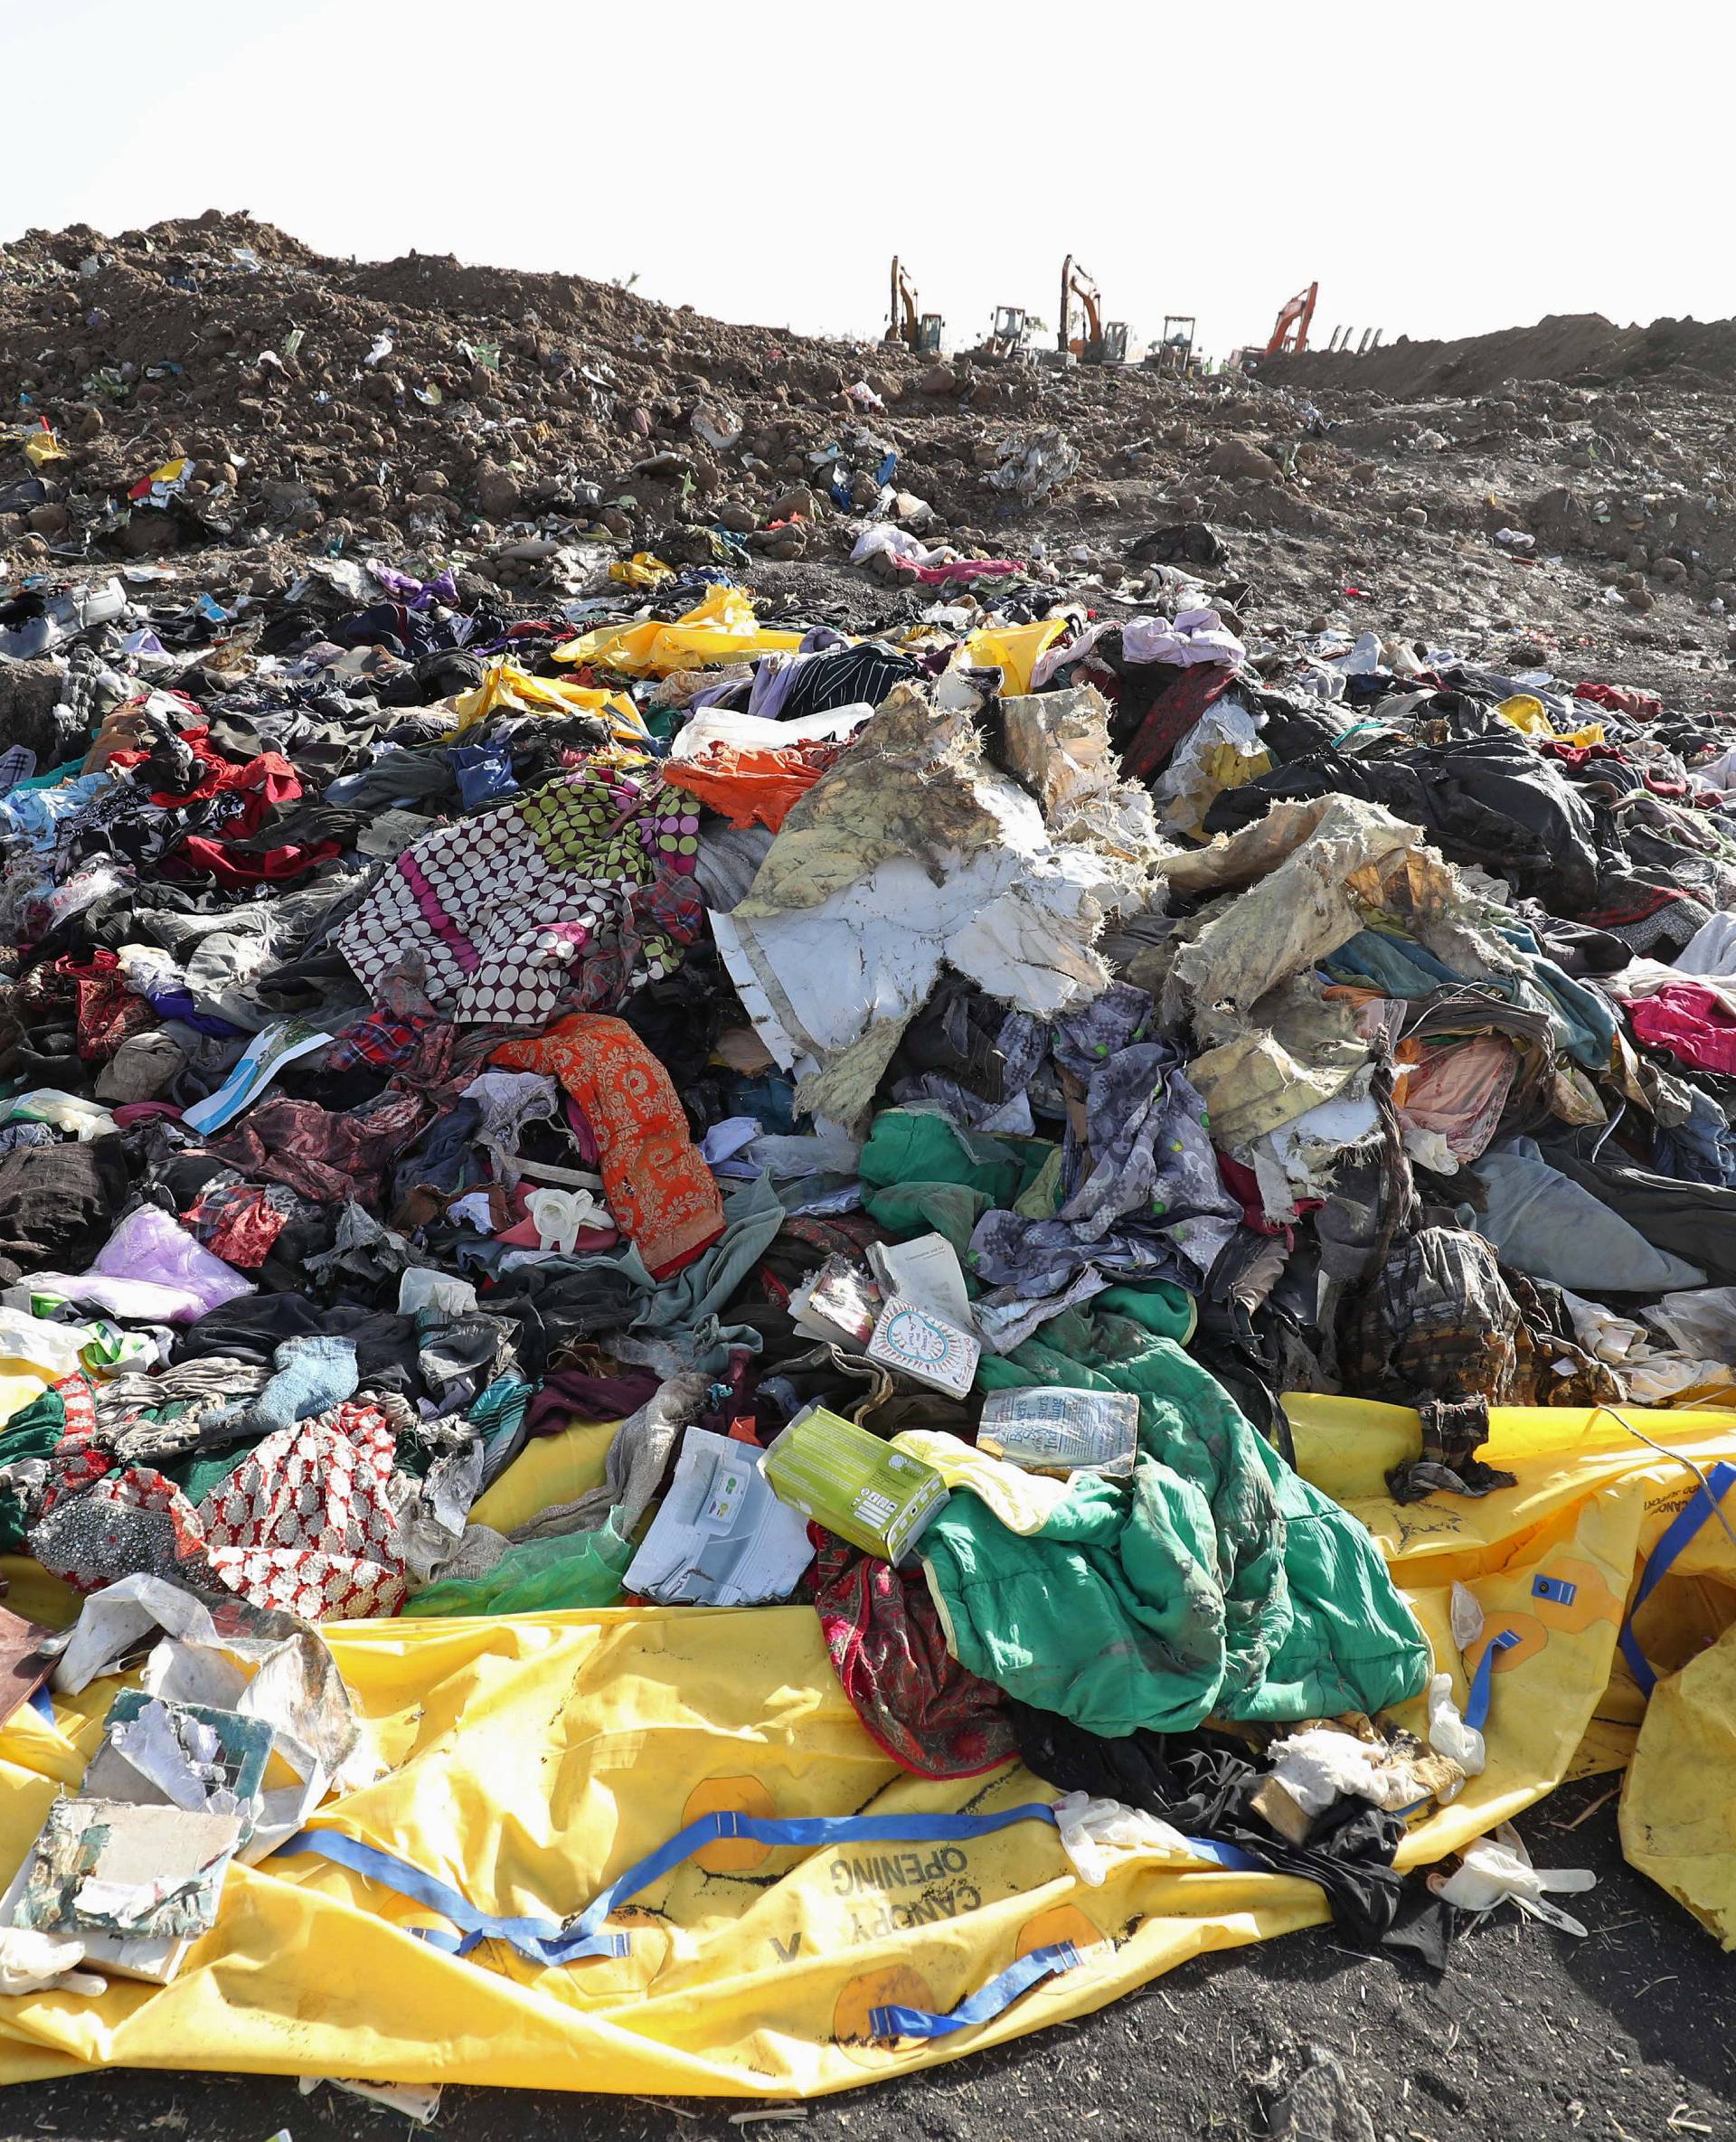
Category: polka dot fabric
[500,911]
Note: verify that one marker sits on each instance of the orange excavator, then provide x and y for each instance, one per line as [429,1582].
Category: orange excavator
[1100,344]
[1295,317]
[918,331]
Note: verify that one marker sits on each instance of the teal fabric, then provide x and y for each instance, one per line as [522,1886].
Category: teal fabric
[913,1145]
[1583,1024]
[1216,1581]
[31,1432]
[907,1209]
[52,778]
[196,1477]
[1589,1018]
[1160,1307]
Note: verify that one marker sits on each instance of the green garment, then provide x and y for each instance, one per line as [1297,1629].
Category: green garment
[538,1576]
[1215,1582]
[197,1474]
[911,1146]
[1168,1311]
[32,1431]
[906,1208]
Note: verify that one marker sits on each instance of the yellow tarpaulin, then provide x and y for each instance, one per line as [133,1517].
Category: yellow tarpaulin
[642,570]
[1013,648]
[507,688]
[529,1760]
[1531,718]
[721,629]
[1678,1802]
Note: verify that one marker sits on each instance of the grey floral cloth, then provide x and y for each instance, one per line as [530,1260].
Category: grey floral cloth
[1141,1193]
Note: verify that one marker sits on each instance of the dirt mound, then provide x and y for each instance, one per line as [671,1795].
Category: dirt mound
[214,381]
[426,399]
[1570,347]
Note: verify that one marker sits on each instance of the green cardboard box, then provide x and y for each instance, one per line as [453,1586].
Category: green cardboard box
[857,1486]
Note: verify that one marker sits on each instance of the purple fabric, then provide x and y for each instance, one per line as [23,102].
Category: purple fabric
[420,594]
[569,1393]
[150,1245]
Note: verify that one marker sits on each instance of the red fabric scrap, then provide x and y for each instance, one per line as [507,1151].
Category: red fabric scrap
[1639,706]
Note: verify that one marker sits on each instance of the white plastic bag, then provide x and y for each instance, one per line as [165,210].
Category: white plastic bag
[1448,1734]
[38,1962]
[1086,1825]
[1497,1869]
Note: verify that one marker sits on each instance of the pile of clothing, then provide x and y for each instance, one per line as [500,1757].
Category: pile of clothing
[934,1088]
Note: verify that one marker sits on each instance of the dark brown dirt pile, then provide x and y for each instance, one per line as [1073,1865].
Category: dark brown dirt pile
[497,420]
[1578,349]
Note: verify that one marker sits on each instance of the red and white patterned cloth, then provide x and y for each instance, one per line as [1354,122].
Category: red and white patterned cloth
[308,1522]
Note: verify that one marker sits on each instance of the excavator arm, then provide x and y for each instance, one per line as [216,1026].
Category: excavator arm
[1076,284]
[907,322]
[902,324]
[1295,317]
[1103,342]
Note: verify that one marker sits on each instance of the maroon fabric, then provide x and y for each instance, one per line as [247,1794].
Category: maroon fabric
[571,1394]
[108,1013]
[1171,715]
[1577,755]
[199,857]
[328,1158]
[1639,706]
[1244,1185]
[240,1222]
[911,1695]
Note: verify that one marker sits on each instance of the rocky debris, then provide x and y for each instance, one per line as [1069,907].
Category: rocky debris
[1316,2104]
[1239,460]
[215,381]
[1572,347]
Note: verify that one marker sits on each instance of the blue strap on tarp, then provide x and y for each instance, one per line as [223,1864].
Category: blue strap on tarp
[550,1941]
[543,1940]
[41,1702]
[1700,1507]
[984,2005]
[1477,1710]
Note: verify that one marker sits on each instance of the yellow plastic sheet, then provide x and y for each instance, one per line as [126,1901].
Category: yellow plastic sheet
[1013,648]
[721,629]
[642,570]
[1571,1463]
[1678,1803]
[1531,718]
[38,1597]
[529,1760]
[549,1470]
[505,687]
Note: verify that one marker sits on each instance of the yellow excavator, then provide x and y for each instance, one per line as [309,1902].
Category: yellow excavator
[1101,343]
[919,332]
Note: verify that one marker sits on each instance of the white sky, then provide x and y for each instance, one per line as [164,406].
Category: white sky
[1441,169]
